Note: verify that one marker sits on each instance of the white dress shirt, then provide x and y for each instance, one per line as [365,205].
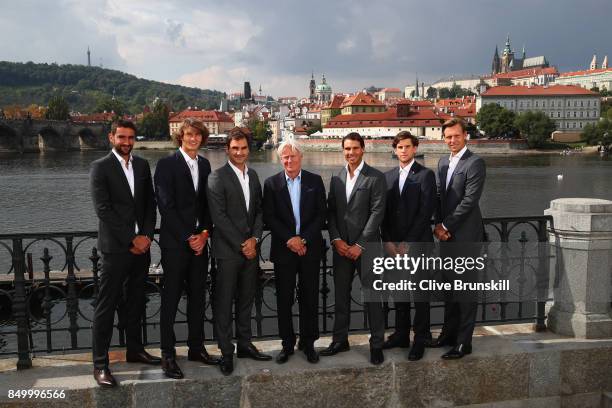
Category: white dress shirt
[128,170]
[243,178]
[453,161]
[350,182]
[403,174]
[193,168]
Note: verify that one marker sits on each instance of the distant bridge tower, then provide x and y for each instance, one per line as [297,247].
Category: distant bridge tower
[88,57]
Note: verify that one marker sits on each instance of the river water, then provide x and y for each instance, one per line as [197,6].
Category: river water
[50,192]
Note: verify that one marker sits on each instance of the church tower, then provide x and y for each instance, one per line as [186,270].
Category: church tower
[593,62]
[507,57]
[495,65]
[604,64]
[313,87]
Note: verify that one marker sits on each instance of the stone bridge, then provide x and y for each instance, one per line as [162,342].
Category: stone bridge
[33,135]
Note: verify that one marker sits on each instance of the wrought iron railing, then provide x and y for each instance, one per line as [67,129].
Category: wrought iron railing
[50,308]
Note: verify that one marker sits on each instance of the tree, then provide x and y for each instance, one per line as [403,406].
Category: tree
[58,109]
[314,129]
[609,114]
[432,92]
[444,93]
[536,127]
[154,124]
[107,104]
[260,131]
[600,133]
[496,121]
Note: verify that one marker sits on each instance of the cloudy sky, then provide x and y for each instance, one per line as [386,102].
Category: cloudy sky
[276,44]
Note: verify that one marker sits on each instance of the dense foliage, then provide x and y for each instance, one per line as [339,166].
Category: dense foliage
[496,121]
[600,133]
[88,89]
[536,127]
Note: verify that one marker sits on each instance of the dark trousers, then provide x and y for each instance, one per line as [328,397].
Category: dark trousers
[183,270]
[121,285]
[344,272]
[307,272]
[420,323]
[235,283]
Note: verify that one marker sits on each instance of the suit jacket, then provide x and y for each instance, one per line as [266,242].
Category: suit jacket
[116,208]
[458,208]
[408,213]
[358,220]
[233,224]
[180,206]
[278,215]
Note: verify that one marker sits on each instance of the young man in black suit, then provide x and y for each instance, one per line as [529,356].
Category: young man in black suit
[123,198]
[180,188]
[294,210]
[411,203]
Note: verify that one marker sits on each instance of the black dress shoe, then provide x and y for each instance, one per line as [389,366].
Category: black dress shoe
[226,364]
[417,351]
[311,354]
[141,357]
[300,345]
[104,378]
[283,356]
[171,368]
[376,356]
[458,351]
[251,352]
[203,357]
[396,341]
[442,341]
[335,348]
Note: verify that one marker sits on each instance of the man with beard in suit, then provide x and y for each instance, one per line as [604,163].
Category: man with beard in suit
[234,198]
[180,187]
[123,198]
[461,177]
[294,210]
[411,202]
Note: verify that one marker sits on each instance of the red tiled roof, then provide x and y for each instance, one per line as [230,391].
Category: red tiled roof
[425,117]
[421,104]
[391,90]
[537,90]
[205,116]
[361,99]
[586,72]
[93,117]
[526,73]
[335,103]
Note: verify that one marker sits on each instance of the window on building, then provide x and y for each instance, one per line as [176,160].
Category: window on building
[558,114]
[580,125]
[582,103]
[536,104]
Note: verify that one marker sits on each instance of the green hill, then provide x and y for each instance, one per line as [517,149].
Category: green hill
[85,87]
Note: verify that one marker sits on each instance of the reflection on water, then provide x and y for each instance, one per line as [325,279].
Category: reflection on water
[50,191]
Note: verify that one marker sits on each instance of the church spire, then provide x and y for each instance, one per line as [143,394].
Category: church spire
[604,64]
[495,68]
[507,49]
[594,62]
[523,52]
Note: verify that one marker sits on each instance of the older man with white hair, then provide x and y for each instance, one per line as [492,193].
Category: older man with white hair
[294,209]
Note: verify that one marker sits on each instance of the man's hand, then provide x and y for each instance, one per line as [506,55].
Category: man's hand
[341,247]
[295,244]
[390,249]
[354,252]
[441,233]
[197,242]
[402,248]
[249,248]
[140,244]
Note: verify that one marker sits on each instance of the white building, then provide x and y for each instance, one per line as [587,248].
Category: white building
[570,107]
[594,77]
[387,93]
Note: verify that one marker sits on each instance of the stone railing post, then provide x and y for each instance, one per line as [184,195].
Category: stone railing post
[582,242]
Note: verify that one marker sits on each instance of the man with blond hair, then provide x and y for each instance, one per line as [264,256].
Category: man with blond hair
[294,210]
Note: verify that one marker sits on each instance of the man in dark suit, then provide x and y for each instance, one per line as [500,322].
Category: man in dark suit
[461,178]
[294,210]
[123,198]
[356,208]
[180,187]
[234,199]
[411,202]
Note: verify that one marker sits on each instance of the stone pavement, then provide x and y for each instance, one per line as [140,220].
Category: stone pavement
[511,366]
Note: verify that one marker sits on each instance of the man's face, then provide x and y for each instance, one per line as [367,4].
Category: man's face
[405,151]
[353,152]
[192,139]
[123,140]
[292,160]
[238,151]
[455,138]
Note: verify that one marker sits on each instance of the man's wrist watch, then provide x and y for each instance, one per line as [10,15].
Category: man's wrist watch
[256,240]
[303,241]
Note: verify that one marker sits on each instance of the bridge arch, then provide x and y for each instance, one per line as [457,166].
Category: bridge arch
[9,140]
[87,139]
[49,139]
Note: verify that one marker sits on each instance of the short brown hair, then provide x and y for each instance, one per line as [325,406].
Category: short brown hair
[454,122]
[237,134]
[354,136]
[194,123]
[120,123]
[403,135]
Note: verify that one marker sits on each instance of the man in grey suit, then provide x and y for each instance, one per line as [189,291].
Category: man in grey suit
[234,200]
[461,178]
[356,209]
